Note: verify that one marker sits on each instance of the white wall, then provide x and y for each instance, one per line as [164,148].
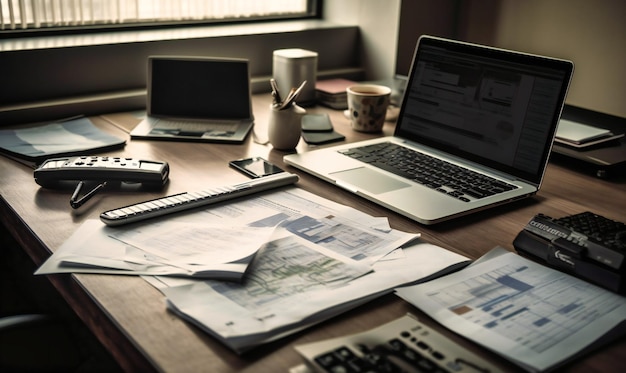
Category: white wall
[378,22]
[590,33]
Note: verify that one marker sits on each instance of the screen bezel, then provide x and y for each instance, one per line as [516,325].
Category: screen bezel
[529,60]
[219,95]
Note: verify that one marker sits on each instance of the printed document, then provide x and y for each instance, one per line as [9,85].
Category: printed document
[535,316]
[220,241]
[323,259]
[154,250]
[290,287]
[305,259]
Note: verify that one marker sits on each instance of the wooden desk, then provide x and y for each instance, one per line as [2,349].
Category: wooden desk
[129,316]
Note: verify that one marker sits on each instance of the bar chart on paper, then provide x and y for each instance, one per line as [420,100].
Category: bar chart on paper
[533,308]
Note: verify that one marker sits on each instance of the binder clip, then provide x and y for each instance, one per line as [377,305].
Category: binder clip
[76,202]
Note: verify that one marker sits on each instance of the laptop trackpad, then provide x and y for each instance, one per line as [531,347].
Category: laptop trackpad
[369,180]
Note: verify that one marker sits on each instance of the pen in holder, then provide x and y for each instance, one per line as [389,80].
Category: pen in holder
[284,127]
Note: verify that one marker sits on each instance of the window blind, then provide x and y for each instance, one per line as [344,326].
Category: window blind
[38,14]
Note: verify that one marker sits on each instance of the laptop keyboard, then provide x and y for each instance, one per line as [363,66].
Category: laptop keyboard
[445,177]
[191,126]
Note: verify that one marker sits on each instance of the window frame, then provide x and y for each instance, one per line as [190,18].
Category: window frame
[314,11]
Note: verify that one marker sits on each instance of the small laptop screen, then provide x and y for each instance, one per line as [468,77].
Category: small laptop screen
[494,107]
[198,88]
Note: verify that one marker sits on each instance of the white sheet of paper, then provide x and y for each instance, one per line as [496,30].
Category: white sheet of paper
[579,132]
[196,243]
[92,250]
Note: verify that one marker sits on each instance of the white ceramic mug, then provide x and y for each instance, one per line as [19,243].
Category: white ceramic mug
[285,127]
[367,105]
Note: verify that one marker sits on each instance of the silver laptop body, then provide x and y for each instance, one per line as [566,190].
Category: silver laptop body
[490,110]
[197,99]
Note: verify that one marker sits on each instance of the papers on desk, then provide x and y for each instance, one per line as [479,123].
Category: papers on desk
[163,248]
[581,135]
[220,241]
[314,259]
[279,296]
[536,317]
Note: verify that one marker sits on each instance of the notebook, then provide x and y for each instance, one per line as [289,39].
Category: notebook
[491,111]
[197,99]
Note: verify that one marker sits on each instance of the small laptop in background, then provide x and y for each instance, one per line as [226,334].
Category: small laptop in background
[475,130]
[197,99]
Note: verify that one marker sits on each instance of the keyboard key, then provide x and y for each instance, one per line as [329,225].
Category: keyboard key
[403,345]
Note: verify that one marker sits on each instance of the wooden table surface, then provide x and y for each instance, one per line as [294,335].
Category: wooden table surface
[129,316]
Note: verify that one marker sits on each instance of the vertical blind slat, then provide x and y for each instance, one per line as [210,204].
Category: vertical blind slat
[23,13]
[35,12]
[11,15]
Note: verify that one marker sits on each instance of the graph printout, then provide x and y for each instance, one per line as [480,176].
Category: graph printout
[520,309]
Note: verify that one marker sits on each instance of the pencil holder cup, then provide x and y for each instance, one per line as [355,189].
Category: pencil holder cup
[284,127]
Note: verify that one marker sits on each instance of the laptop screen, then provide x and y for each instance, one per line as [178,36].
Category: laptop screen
[494,107]
[198,88]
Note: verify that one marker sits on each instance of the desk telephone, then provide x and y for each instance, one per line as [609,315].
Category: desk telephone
[101,168]
[585,245]
[57,171]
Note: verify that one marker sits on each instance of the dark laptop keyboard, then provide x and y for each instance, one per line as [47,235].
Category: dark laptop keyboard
[392,357]
[609,233]
[445,177]
[404,345]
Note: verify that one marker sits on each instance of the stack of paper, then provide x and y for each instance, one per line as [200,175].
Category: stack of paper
[272,303]
[581,135]
[187,249]
[314,259]
[325,259]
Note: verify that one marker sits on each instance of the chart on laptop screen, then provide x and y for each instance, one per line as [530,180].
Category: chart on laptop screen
[484,107]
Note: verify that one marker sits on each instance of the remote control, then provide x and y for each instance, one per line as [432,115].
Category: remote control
[185,201]
[103,169]
[402,345]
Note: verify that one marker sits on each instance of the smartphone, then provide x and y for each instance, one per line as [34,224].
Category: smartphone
[255,167]
[318,138]
[316,123]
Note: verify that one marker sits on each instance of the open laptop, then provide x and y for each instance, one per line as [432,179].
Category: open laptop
[491,111]
[197,99]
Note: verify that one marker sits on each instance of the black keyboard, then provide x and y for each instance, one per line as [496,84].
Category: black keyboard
[402,345]
[445,177]
[587,245]
[607,232]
